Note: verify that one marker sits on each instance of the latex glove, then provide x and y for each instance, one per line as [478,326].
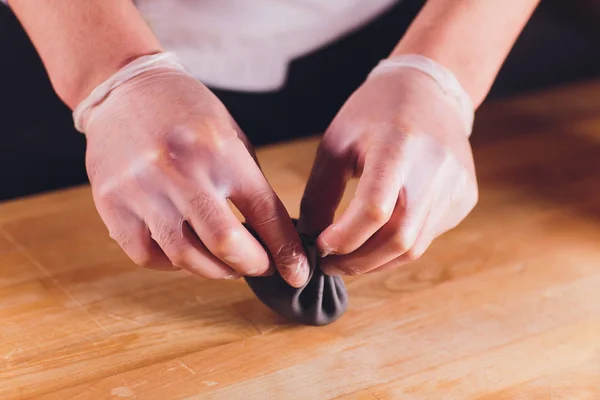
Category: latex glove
[163,158]
[408,139]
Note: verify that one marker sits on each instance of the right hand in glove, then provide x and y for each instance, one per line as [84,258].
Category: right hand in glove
[163,157]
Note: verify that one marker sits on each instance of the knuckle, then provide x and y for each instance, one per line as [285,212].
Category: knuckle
[106,194]
[147,167]
[122,239]
[224,241]
[165,234]
[179,258]
[389,150]
[377,213]
[404,128]
[143,260]
[263,207]
[402,242]
[443,152]
[214,135]
[140,255]
[204,207]
[380,169]
[156,158]
[412,254]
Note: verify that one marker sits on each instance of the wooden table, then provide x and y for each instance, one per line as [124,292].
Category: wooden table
[507,306]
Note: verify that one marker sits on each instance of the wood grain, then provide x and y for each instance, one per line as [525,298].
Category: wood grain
[506,306]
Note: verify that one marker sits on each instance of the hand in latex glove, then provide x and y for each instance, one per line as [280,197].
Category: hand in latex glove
[408,139]
[163,157]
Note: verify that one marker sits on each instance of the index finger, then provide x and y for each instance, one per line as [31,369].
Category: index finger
[267,216]
[385,166]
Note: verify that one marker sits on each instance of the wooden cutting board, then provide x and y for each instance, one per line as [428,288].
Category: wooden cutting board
[506,306]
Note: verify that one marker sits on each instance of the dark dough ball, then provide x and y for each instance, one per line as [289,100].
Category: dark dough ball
[320,302]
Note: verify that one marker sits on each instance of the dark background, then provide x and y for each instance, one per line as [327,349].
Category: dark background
[41,151]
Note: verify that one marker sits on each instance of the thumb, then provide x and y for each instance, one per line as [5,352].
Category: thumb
[325,187]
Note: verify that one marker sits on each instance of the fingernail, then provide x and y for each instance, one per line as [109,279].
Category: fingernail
[301,271]
[233,277]
[324,249]
[252,272]
[324,252]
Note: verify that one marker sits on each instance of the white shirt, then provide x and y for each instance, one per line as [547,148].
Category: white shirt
[247,45]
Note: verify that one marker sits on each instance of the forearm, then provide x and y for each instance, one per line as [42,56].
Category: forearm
[470,37]
[81,43]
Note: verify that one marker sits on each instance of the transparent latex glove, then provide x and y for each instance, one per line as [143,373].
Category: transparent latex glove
[407,139]
[163,158]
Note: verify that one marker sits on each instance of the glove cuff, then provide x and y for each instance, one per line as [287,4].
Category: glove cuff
[440,74]
[136,67]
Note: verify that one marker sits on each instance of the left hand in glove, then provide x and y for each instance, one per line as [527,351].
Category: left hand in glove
[408,140]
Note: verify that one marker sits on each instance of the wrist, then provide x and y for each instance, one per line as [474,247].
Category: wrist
[464,71]
[446,81]
[143,65]
[77,84]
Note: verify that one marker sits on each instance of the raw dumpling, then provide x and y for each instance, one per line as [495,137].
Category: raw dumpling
[320,302]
